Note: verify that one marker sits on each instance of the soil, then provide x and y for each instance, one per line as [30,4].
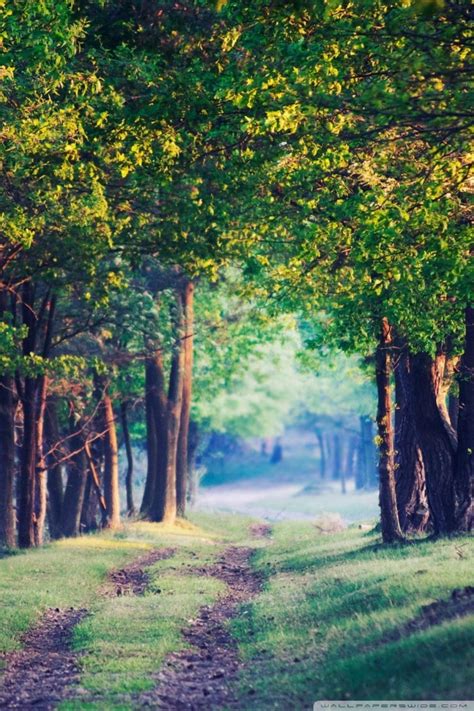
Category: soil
[40,674]
[261,530]
[133,579]
[200,677]
[45,670]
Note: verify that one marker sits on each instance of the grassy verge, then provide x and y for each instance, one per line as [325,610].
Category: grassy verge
[320,629]
[124,639]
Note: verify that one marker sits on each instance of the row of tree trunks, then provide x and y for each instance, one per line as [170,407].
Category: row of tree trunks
[168,418]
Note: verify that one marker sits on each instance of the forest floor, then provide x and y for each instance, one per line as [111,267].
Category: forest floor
[224,612]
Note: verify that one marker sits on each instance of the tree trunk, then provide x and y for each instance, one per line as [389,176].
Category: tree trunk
[453,409]
[165,507]
[75,486]
[193,443]
[129,452]
[27,488]
[111,469]
[156,407]
[182,473]
[7,448]
[337,459]
[322,454]
[410,470]
[390,523]
[41,488]
[435,443]
[7,462]
[55,477]
[464,473]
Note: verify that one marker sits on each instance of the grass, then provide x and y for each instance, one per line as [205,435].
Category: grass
[318,629]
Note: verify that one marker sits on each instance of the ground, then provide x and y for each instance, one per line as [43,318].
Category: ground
[325,615]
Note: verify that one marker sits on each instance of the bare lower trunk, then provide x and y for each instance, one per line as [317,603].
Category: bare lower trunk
[464,473]
[111,469]
[390,523]
[7,462]
[410,470]
[27,487]
[182,449]
[41,494]
[322,453]
[193,443]
[75,487]
[55,477]
[129,452]
[165,506]
[435,443]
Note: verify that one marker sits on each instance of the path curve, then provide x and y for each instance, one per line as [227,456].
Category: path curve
[199,677]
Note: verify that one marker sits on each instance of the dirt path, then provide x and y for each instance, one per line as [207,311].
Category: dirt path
[39,675]
[133,579]
[45,670]
[199,677]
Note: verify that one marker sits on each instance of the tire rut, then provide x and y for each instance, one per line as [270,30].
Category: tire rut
[45,671]
[199,677]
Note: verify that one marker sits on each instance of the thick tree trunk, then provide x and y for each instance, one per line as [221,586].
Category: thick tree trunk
[111,468]
[55,476]
[27,392]
[464,475]
[390,523]
[75,486]
[453,409]
[435,443]
[27,488]
[129,453]
[410,470]
[193,443]
[7,462]
[182,451]
[156,408]
[41,489]
[164,506]
[94,457]
[322,453]
[337,456]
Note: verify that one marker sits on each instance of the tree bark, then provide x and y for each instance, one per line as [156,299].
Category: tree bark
[111,469]
[7,462]
[165,506]
[156,407]
[182,472]
[27,488]
[464,472]
[322,453]
[55,477]
[410,477]
[129,452]
[41,489]
[390,524]
[193,443]
[337,459]
[27,392]
[7,449]
[75,486]
[435,443]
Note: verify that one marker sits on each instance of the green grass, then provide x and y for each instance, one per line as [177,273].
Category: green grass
[317,631]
